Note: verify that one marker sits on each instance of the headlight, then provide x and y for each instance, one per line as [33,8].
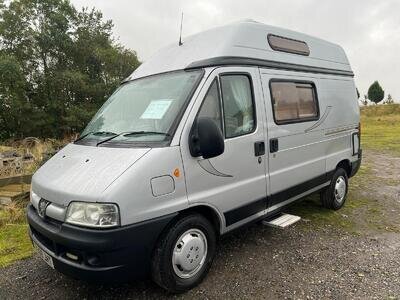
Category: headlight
[98,215]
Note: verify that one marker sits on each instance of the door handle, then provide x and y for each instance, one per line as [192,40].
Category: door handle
[273,145]
[259,148]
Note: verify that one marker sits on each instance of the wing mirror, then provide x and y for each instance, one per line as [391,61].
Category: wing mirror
[206,139]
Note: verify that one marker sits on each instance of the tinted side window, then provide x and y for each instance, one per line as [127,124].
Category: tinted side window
[294,102]
[238,105]
[211,107]
[280,43]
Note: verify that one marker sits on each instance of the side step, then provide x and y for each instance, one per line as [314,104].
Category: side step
[281,221]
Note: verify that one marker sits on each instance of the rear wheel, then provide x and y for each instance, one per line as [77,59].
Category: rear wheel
[184,254]
[335,195]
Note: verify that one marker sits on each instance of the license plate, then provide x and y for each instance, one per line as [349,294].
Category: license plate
[47,258]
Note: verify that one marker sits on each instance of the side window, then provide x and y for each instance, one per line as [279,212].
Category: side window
[211,107]
[239,117]
[294,102]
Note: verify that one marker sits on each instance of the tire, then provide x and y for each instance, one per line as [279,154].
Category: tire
[190,242]
[335,195]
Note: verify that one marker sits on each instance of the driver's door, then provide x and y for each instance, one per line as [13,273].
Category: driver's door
[235,182]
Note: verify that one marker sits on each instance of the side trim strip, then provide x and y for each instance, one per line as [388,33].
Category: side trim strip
[247,210]
[339,130]
[244,61]
[271,209]
[299,189]
[237,214]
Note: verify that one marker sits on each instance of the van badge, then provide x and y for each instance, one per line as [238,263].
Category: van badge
[42,206]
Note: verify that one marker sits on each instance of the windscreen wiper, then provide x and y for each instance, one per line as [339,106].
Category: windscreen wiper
[132,133]
[95,133]
[145,132]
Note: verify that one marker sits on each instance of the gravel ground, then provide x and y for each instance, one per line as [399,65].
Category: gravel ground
[305,261]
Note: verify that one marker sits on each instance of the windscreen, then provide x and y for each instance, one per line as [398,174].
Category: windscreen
[144,110]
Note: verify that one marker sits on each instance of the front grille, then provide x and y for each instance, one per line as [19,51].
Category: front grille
[50,220]
[45,241]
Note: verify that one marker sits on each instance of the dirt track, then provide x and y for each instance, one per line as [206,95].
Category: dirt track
[353,253]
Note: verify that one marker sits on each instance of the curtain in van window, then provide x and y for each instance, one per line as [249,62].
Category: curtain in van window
[241,95]
[285,100]
[293,101]
[307,104]
[238,105]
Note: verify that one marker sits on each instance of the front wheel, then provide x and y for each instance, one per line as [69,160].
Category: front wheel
[184,254]
[334,196]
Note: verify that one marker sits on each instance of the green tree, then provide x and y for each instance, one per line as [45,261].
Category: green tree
[57,66]
[376,93]
[12,96]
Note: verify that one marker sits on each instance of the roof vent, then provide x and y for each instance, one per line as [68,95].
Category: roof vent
[283,44]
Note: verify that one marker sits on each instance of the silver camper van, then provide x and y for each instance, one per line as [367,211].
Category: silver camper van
[226,129]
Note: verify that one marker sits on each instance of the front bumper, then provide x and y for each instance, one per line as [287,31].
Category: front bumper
[355,166]
[119,254]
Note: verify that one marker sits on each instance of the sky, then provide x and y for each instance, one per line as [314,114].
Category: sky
[368,30]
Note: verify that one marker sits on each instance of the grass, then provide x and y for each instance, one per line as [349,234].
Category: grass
[380,128]
[14,241]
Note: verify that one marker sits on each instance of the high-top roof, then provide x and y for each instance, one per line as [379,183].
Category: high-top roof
[243,40]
